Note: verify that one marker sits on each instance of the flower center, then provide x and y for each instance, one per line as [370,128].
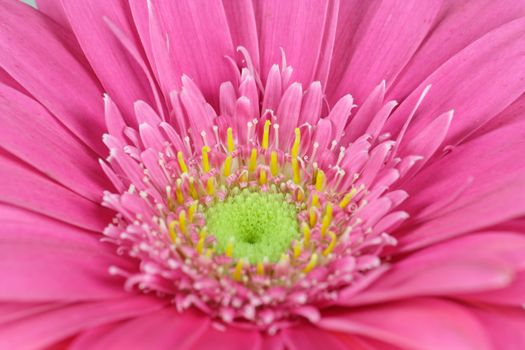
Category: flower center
[260,224]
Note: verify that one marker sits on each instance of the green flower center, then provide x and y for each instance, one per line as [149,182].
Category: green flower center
[253,225]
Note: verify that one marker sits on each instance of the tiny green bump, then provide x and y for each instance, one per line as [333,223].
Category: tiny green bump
[262,224]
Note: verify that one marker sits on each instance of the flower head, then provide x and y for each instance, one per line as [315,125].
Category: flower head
[262,175]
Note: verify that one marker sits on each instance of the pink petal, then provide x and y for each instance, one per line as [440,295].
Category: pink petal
[306,337]
[445,269]
[120,75]
[490,70]
[35,51]
[230,338]
[414,324]
[384,43]
[163,329]
[38,331]
[299,28]
[42,259]
[24,188]
[459,24]
[24,123]
[243,27]
[504,325]
[54,9]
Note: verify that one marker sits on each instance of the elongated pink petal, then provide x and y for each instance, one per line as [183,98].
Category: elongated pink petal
[414,324]
[459,24]
[159,330]
[490,70]
[119,74]
[38,331]
[37,53]
[385,42]
[504,325]
[243,27]
[24,123]
[24,188]
[445,269]
[298,28]
[229,338]
[305,337]
[54,9]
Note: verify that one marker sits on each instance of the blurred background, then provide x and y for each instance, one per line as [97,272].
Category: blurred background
[30,2]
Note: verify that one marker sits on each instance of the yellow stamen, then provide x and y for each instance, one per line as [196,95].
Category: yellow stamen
[200,243]
[237,274]
[182,222]
[313,216]
[296,143]
[262,177]
[178,191]
[347,198]
[182,163]
[227,167]
[306,234]
[329,210]
[210,188]
[252,165]
[319,180]
[229,249]
[315,200]
[325,223]
[231,144]
[311,264]
[173,233]
[193,190]
[244,176]
[191,210]
[296,173]
[333,240]
[297,249]
[205,159]
[260,268]
[300,194]
[274,166]
[266,134]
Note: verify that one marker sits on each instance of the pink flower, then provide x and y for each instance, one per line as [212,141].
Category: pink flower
[266,175]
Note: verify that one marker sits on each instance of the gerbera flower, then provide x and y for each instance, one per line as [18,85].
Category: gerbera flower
[262,175]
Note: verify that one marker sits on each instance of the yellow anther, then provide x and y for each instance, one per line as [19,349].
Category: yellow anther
[347,198]
[319,180]
[230,143]
[263,177]
[182,222]
[182,163]
[210,187]
[296,249]
[244,176]
[296,172]
[313,216]
[266,134]
[193,190]
[325,223]
[296,143]
[227,166]
[300,194]
[173,233]
[178,191]
[311,264]
[329,210]
[200,243]
[274,165]
[229,249]
[252,165]
[315,200]
[260,268]
[306,234]
[237,274]
[333,240]
[191,210]
[205,159]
